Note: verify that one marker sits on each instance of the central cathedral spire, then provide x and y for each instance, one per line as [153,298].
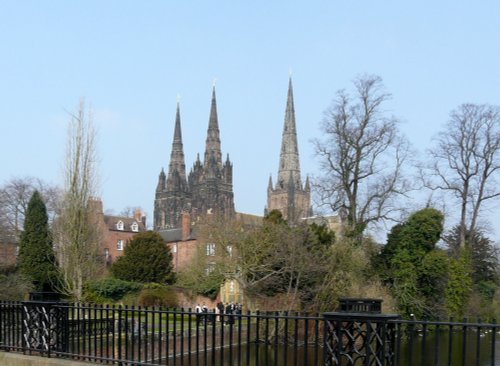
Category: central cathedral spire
[288,196]
[289,167]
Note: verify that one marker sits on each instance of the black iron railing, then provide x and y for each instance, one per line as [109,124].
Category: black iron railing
[153,336]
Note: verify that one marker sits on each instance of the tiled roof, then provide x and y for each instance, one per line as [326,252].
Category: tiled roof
[173,235]
[112,221]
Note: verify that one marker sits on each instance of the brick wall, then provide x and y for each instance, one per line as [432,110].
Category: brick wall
[8,254]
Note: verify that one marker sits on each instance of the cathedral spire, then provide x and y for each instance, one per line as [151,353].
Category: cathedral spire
[177,164]
[288,196]
[212,147]
[289,155]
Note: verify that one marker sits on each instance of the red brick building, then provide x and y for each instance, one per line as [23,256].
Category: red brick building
[116,230]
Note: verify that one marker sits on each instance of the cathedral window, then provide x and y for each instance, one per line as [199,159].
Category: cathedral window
[210,249]
[134,227]
[119,244]
[119,225]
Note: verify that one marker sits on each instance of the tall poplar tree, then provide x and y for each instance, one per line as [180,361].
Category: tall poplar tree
[36,255]
[76,230]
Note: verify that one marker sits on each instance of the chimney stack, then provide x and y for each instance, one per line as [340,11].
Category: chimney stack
[186,226]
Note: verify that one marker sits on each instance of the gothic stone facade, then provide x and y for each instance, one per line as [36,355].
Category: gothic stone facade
[208,189]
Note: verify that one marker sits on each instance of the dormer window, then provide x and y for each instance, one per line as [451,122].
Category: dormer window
[119,225]
[134,227]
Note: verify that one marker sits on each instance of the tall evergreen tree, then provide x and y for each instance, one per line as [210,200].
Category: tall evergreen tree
[36,256]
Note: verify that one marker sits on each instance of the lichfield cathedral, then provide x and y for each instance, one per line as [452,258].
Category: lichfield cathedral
[208,188]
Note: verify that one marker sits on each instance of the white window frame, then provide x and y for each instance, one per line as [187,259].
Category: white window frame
[134,227]
[119,244]
[209,268]
[210,249]
[119,225]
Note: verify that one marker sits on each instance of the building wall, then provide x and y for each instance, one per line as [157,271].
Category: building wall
[278,200]
[183,253]
[8,254]
[110,240]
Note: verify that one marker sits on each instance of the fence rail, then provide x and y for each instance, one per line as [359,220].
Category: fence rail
[160,336]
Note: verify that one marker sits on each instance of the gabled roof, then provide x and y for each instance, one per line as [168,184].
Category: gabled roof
[112,221]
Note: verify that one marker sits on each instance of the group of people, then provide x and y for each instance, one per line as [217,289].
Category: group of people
[223,313]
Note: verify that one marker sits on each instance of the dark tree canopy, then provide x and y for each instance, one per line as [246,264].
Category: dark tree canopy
[36,255]
[146,258]
[274,217]
[484,255]
[419,234]
[412,266]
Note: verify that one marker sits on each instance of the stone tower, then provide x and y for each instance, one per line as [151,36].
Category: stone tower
[208,188]
[211,182]
[172,193]
[289,195]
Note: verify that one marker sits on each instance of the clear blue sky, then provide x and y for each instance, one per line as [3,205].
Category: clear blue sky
[130,60]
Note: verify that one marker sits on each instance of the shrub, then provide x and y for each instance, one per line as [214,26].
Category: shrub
[101,291]
[157,296]
[146,258]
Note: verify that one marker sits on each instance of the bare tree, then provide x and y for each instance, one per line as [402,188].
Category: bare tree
[14,197]
[362,157]
[129,211]
[77,230]
[466,161]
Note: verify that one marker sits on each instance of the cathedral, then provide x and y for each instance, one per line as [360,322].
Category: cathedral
[208,189]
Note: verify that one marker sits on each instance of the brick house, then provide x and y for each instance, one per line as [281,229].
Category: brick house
[116,230]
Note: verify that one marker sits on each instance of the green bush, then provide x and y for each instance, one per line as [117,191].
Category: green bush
[157,295]
[146,258]
[103,290]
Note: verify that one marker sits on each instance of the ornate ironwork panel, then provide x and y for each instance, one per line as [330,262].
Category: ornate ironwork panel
[353,339]
[42,327]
